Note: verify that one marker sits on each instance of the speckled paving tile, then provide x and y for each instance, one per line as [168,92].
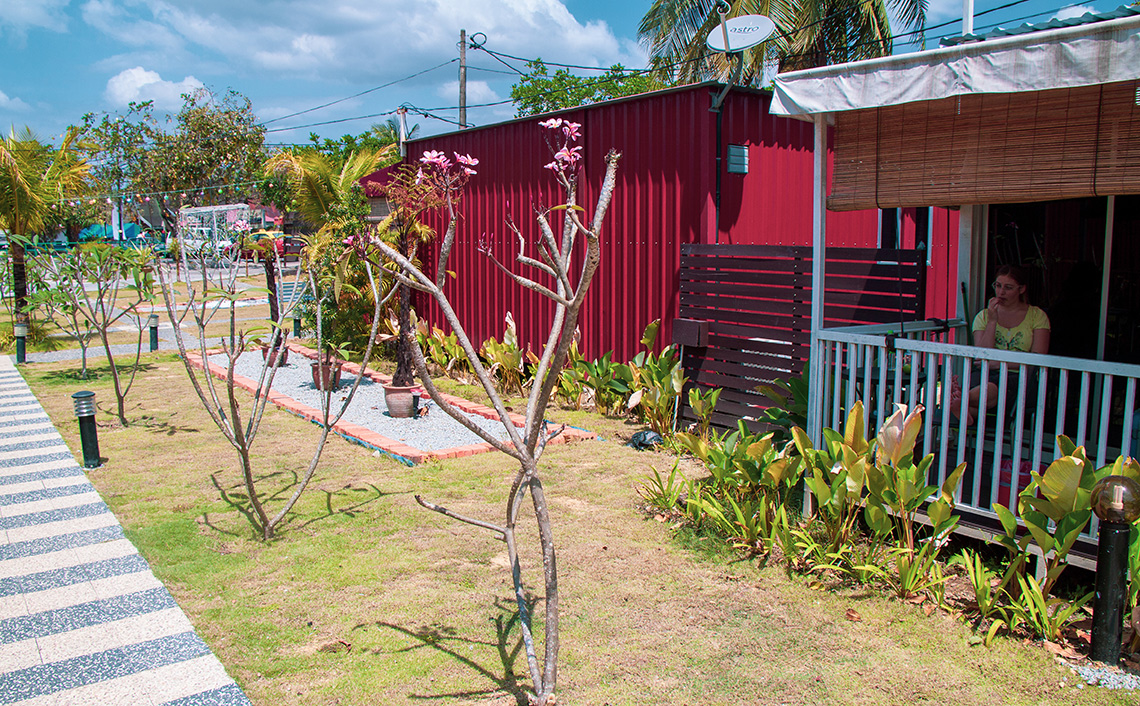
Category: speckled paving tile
[82,618]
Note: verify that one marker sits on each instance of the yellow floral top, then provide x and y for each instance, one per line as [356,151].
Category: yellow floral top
[1018,338]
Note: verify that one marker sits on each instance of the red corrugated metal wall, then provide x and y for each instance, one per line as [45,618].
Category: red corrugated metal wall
[665,196]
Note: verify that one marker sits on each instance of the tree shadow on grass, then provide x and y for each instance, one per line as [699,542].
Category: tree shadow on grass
[155,426]
[360,497]
[94,373]
[446,640]
[236,498]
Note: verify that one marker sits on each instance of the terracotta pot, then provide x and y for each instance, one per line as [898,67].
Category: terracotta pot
[330,379]
[282,353]
[400,400]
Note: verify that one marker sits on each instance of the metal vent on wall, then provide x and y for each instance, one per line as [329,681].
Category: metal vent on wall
[738,159]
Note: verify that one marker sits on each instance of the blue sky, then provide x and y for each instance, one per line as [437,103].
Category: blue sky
[63,58]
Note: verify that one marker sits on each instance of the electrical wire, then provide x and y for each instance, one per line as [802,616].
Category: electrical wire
[331,122]
[362,93]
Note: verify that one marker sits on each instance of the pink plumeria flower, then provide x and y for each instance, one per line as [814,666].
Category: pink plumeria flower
[551,124]
[437,158]
[568,155]
[553,166]
[571,130]
[466,161]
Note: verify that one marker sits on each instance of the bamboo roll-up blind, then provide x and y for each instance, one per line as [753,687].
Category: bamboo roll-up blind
[990,148]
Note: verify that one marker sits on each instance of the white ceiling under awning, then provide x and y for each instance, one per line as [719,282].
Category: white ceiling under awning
[1084,55]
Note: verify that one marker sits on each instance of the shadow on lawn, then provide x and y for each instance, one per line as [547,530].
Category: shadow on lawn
[94,373]
[441,640]
[236,498]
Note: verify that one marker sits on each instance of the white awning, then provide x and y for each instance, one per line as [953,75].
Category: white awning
[1084,55]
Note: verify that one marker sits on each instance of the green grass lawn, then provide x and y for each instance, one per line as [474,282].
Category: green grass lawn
[366,598]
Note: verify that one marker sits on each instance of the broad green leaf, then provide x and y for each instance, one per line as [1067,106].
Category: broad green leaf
[1008,521]
[853,434]
[1066,445]
[758,449]
[803,443]
[1040,536]
[1060,483]
[950,485]
[878,519]
[649,336]
[938,512]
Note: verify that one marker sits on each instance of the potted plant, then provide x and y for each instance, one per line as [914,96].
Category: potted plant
[326,371]
[279,356]
[407,196]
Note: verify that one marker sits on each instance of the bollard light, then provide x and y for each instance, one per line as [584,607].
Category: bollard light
[21,333]
[84,402]
[296,327]
[1116,501]
[152,321]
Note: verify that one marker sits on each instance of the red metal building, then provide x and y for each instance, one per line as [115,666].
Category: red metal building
[688,174]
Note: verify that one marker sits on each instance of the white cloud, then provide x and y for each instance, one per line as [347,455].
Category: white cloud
[138,84]
[1066,13]
[477,92]
[21,15]
[117,23]
[349,39]
[305,52]
[7,103]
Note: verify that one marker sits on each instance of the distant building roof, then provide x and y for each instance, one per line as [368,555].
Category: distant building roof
[1026,28]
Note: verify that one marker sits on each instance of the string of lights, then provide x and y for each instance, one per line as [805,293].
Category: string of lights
[149,196]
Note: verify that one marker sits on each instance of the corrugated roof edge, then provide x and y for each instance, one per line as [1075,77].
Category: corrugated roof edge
[625,99]
[1028,27]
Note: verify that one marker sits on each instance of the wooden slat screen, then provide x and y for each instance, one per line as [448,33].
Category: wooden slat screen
[757,302]
[990,148]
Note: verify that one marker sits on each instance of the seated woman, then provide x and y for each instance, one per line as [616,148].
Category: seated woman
[1009,322]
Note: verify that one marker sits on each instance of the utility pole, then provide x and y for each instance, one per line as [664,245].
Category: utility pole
[462,79]
[403,138]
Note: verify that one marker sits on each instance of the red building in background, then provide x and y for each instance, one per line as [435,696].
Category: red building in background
[688,174]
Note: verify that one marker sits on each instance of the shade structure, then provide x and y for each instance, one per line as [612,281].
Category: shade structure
[1085,55]
[1038,115]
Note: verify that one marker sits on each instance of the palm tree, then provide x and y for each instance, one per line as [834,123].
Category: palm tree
[388,132]
[326,193]
[34,177]
[320,181]
[809,33]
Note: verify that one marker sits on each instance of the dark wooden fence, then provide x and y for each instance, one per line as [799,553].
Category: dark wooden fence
[756,301]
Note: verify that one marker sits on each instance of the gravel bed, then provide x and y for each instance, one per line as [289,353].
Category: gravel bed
[1105,676]
[434,432]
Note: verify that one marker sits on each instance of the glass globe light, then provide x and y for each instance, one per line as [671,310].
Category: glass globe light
[1116,499]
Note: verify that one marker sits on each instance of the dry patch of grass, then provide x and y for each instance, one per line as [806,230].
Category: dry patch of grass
[367,598]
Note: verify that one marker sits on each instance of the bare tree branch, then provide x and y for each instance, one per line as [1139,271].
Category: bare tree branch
[462,518]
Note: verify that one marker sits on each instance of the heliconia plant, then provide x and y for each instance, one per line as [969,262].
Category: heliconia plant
[655,381]
[899,489]
[836,476]
[567,258]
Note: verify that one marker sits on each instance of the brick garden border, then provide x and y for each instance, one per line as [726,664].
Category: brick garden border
[366,437]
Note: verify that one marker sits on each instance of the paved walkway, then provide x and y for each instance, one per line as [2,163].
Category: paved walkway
[83,621]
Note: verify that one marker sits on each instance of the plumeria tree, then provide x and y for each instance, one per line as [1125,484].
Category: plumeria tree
[563,230]
[213,299]
[412,191]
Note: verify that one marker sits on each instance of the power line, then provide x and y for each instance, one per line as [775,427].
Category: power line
[331,122]
[357,95]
